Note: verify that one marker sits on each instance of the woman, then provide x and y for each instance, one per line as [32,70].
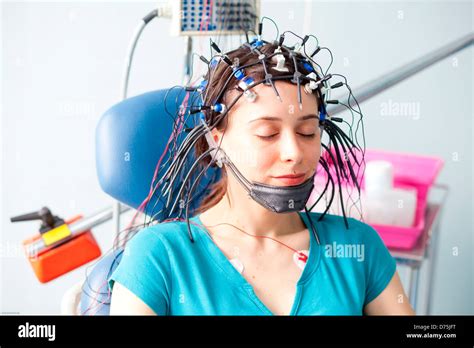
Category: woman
[256,253]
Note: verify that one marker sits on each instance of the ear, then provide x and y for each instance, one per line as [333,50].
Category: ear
[216,135]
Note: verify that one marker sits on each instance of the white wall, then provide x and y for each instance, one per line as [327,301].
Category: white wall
[62,67]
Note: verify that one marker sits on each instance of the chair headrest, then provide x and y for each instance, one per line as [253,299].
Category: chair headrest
[130,139]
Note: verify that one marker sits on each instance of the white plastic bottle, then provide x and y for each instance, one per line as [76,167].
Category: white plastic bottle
[382,203]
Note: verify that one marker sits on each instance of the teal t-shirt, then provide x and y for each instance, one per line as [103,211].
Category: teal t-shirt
[173,276]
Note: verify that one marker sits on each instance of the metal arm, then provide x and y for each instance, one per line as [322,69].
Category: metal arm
[380,84]
[76,228]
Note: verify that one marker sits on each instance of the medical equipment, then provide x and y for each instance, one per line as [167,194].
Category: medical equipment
[238,75]
[238,10]
[201,17]
[193,18]
[59,248]
[62,245]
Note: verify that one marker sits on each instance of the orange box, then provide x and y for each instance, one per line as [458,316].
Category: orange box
[65,257]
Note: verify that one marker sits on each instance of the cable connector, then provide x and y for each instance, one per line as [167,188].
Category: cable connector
[336,119]
[311,85]
[202,86]
[239,73]
[279,60]
[315,52]
[165,9]
[308,66]
[219,108]
[245,85]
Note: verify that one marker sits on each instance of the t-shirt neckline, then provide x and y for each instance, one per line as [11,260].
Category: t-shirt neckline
[238,279]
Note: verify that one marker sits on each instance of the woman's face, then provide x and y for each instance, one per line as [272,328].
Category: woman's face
[263,148]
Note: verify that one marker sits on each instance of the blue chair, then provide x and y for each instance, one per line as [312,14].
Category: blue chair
[130,139]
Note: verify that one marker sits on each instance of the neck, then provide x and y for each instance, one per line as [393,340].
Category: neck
[238,209]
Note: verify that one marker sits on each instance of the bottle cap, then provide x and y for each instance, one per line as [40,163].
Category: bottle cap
[378,175]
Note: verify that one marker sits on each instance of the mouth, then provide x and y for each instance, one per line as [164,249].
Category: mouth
[292,179]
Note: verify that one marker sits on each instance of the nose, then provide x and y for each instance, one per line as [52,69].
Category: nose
[291,148]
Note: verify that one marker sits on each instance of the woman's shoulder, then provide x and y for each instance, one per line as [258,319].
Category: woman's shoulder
[165,234]
[359,242]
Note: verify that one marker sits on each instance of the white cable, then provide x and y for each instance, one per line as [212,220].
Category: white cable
[162,10]
[128,61]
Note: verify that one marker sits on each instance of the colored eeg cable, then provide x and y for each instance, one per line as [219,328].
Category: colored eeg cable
[142,208]
[171,184]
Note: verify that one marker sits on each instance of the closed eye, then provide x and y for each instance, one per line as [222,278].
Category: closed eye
[268,137]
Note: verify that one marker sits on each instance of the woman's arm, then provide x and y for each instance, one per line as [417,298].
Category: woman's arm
[391,301]
[125,302]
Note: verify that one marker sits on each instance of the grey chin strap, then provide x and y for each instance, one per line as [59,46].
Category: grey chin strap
[237,174]
[283,199]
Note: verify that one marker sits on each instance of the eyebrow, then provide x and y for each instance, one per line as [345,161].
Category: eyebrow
[272,118]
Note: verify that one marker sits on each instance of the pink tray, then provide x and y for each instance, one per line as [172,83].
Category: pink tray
[410,171]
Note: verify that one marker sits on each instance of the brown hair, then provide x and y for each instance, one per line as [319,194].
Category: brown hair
[217,78]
